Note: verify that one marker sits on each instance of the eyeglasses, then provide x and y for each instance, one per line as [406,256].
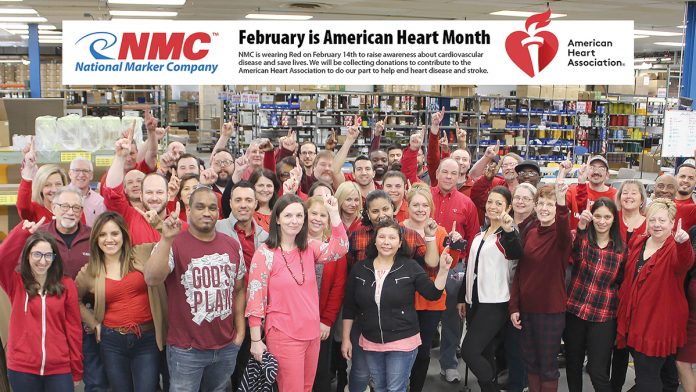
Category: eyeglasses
[224,163]
[81,171]
[527,174]
[599,169]
[284,175]
[308,153]
[36,255]
[65,207]
[525,199]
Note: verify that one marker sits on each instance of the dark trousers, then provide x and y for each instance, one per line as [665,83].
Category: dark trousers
[619,365]
[484,321]
[27,382]
[339,365]
[595,339]
[94,374]
[648,371]
[131,361]
[242,359]
[541,343]
[322,380]
[517,374]
[427,322]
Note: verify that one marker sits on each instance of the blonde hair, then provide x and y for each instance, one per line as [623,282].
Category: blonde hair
[319,200]
[423,190]
[662,204]
[40,179]
[343,191]
[641,190]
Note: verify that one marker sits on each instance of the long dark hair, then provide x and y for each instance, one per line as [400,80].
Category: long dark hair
[54,275]
[372,196]
[504,192]
[404,250]
[257,174]
[97,264]
[274,233]
[614,231]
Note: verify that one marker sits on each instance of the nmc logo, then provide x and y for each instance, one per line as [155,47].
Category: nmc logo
[147,46]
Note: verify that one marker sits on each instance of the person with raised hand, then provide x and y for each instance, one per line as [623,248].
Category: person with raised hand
[487,289]
[380,294]
[143,224]
[44,348]
[591,186]
[128,317]
[282,277]
[203,272]
[377,134]
[653,310]
[538,295]
[598,260]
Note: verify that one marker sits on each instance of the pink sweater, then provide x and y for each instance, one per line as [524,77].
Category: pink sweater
[273,294]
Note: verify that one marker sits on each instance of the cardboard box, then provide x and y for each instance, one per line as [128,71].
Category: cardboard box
[546,92]
[559,92]
[5,139]
[498,123]
[621,89]
[528,91]
[309,104]
[572,92]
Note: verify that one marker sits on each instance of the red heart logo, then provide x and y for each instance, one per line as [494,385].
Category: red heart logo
[520,54]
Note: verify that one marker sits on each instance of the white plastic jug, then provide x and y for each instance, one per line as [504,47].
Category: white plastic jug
[91,134]
[45,128]
[112,131]
[69,132]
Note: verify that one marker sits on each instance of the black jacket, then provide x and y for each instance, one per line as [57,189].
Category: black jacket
[396,317]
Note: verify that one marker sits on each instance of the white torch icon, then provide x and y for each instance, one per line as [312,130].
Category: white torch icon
[533,43]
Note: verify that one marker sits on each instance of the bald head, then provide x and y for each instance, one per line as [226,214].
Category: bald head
[665,187]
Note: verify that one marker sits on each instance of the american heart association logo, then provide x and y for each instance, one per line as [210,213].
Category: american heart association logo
[532,50]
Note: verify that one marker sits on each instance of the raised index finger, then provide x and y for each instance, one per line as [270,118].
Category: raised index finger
[679,225]
[454,226]
[131,131]
[177,210]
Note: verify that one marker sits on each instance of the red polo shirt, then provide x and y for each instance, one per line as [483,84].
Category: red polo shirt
[247,243]
[402,214]
[456,207]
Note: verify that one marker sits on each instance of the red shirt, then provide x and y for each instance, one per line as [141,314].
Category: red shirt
[653,311]
[30,210]
[539,282]
[262,220]
[577,197]
[140,230]
[200,291]
[140,166]
[349,177]
[640,230]
[127,302]
[402,214]
[247,243]
[331,290]
[456,207]
[684,202]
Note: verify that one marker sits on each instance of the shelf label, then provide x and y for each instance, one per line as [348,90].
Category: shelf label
[69,156]
[103,161]
[8,200]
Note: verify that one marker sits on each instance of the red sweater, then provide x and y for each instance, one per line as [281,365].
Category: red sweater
[333,282]
[539,282]
[45,333]
[652,307]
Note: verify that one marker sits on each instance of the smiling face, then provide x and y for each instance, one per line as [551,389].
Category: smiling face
[686,178]
[380,209]
[307,154]
[154,195]
[447,175]
[110,239]
[39,265]
[187,188]
[255,155]
[223,164]
[132,185]
[666,187]
[243,204]
[52,184]
[387,241]
[660,224]
[380,163]
[464,160]
[495,206]
[508,166]
[351,204]
[318,220]
[394,155]
[602,219]
[546,211]
[80,174]
[291,220]
[419,209]
[395,188]
[64,211]
[597,173]
[203,212]
[264,190]
[630,198]
[363,173]
[523,201]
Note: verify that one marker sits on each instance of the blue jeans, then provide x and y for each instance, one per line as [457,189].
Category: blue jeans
[191,370]
[21,382]
[359,371]
[132,362]
[451,333]
[390,370]
[94,374]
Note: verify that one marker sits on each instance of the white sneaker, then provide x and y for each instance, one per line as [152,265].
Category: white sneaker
[451,375]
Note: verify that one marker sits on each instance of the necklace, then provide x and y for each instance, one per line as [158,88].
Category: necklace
[287,265]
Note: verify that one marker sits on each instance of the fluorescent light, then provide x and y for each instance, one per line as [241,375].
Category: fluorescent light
[24,19]
[279,16]
[24,26]
[669,43]
[636,36]
[523,14]
[164,14]
[8,61]
[681,26]
[10,1]
[666,59]
[148,2]
[142,20]
[18,11]
[642,66]
[656,33]
[646,60]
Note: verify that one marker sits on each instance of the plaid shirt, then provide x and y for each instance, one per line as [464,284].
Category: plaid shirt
[361,238]
[593,286]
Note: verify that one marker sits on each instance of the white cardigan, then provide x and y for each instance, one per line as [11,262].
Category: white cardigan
[495,268]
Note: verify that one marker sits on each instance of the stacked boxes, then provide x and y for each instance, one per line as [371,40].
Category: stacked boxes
[51,79]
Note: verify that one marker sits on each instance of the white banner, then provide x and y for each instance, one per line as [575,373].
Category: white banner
[535,51]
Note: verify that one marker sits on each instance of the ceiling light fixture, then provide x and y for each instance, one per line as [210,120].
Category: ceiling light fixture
[18,11]
[642,66]
[523,14]
[646,60]
[41,32]
[142,20]
[8,61]
[148,2]
[681,26]
[636,36]
[279,16]
[152,14]
[24,26]
[655,33]
[669,43]
[23,19]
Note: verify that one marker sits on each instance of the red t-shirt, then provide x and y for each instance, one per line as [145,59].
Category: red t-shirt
[684,202]
[577,197]
[200,291]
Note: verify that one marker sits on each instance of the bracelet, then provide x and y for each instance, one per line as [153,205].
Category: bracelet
[256,341]
[429,239]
